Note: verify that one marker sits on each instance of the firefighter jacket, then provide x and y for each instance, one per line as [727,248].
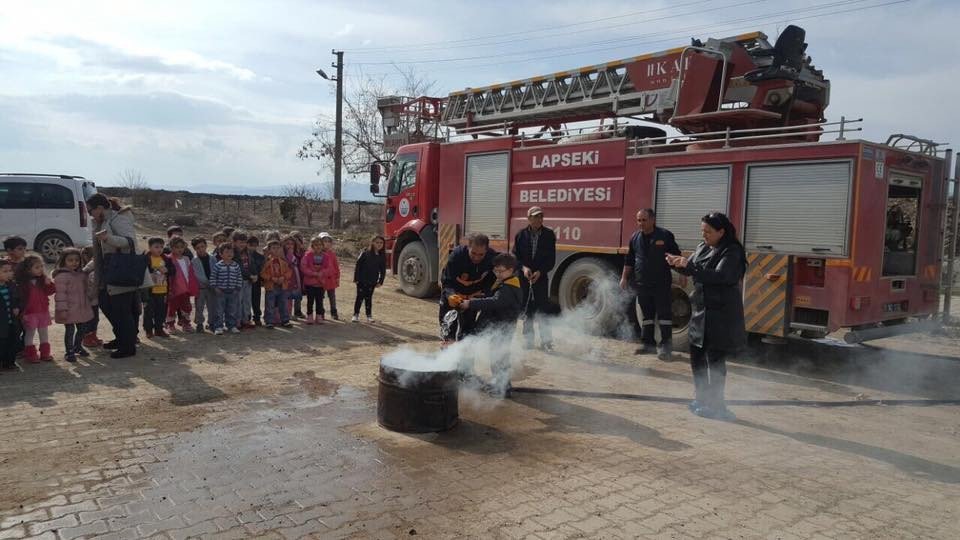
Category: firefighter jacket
[716,302]
[503,306]
[462,276]
[647,256]
[546,254]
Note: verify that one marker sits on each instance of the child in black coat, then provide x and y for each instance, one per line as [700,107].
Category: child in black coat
[369,274]
[499,313]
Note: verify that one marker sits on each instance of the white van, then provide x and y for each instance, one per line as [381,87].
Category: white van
[47,210]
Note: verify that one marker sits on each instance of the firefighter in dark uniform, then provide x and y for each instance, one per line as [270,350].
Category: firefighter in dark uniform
[468,274]
[646,264]
[535,248]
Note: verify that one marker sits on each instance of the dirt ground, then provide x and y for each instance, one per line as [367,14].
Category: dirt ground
[274,433]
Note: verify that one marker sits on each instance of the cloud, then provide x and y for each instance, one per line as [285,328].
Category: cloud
[344,30]
[97,54]
[157,110]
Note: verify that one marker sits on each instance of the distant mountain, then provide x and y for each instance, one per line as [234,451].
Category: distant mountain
[352,191]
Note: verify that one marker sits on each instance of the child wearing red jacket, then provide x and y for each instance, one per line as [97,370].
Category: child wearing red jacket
[35,291]
[183,286]
[321,276]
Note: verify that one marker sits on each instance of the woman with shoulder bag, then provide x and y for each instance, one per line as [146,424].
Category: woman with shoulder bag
[716,325]
[118,271]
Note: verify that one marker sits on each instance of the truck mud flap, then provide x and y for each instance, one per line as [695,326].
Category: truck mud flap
[765,294]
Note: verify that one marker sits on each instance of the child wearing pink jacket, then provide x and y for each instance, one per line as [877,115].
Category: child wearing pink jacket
[321,276]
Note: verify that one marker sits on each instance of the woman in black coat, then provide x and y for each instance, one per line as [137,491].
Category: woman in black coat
[716,326]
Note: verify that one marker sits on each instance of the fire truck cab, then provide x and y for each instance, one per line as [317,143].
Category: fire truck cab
[840,234]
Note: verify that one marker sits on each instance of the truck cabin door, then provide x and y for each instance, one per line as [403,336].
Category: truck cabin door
[402,204]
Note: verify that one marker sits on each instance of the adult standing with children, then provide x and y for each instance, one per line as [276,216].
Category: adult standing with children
[717,326]
[114,234]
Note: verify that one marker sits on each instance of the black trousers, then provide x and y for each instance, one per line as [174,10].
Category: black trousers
[709,368]
[365,297]
[9,347]
[256,293]
[122,311]
[462,327]
[155,312]
[314,298]
[657,309]
[537,299]
[73,338]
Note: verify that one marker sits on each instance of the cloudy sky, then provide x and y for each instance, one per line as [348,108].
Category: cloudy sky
[219,92]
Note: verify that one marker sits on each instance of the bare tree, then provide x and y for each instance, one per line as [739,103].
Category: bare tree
[308,197]
[362,128]
[134,180]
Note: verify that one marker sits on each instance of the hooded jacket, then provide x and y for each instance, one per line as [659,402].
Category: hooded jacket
[71,302]
[371,268]
[119,225]
[503,306]
[325,275]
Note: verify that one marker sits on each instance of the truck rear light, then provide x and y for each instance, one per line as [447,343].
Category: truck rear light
[858,303]
[83,214]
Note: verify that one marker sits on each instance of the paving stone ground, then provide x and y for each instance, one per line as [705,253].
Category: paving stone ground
[275,435]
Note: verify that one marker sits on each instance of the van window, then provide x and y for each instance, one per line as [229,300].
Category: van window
[900,234]
[17,195]
[54,196]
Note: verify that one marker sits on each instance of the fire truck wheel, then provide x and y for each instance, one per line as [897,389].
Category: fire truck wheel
[414,270]
[599,305]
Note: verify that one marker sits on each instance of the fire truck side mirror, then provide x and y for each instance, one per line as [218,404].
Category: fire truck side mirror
[375,175]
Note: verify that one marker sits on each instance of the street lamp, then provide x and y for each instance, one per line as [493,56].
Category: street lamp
[338,138]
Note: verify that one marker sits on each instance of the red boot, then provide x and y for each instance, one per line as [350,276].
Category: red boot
[45,355]
[91,340]
[30,354]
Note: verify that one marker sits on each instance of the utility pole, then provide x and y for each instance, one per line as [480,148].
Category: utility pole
[338,145]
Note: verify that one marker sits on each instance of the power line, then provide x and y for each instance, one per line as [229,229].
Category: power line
[568,50]
[448,43]
[773,18]
[528,38]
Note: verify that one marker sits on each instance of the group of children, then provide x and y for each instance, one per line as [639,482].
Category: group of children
[233,288]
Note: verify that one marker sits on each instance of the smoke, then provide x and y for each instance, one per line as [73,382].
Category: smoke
[573,335]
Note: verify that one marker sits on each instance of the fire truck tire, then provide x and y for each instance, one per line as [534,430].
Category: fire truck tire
[601,311]
[414,271]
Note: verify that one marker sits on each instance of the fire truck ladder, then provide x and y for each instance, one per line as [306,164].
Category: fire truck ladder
[587,93]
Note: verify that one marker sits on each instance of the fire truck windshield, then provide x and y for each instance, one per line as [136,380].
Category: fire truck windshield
[403,174]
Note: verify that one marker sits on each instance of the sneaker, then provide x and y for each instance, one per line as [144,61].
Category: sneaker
[218,332]
[287,324]
[234,331]
[334,316]
[355,318]
[170,329]
[247,326]
[370,320]
[188,328]
[257,323]
[161,334]
[122,354]
[199,330]
[81,352]
[310,319]
[111,345]
[321,317]
[269,326]
[664,353]
[70,358]
[149,335]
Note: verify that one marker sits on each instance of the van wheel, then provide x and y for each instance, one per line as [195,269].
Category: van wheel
[414,270]
[590,287]
[50,245]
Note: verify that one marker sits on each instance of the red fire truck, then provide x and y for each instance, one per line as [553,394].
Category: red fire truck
[841,233]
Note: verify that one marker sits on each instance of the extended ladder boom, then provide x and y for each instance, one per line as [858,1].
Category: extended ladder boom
[695,88]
